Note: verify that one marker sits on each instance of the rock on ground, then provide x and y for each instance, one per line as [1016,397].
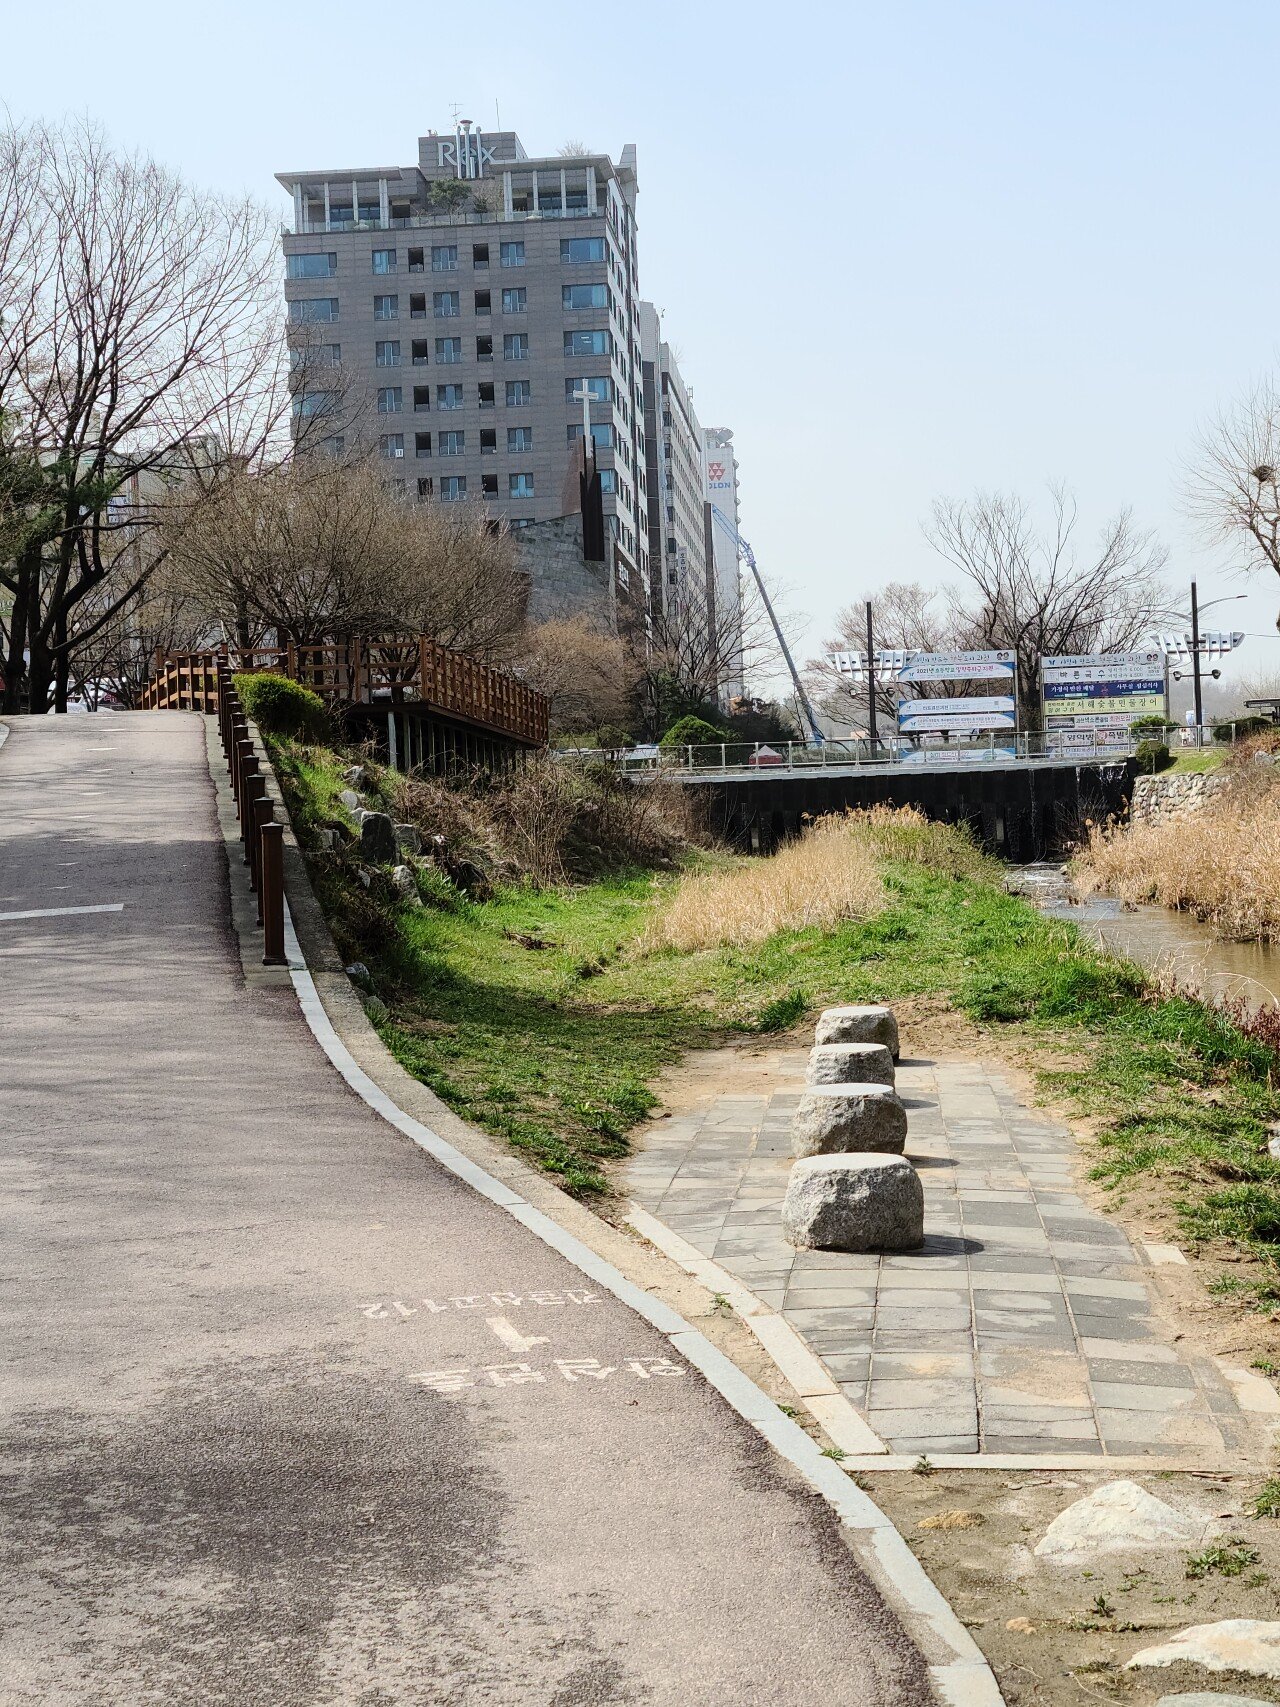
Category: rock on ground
[378,839]
[836,1119]
[1208,1698]
[408,838]
[1249,1645]
[849,1064]
[1119,1518]
[854,1203]
[350,799]
[864,1024]
[406,885]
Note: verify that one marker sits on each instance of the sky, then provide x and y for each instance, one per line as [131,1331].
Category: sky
[905,251]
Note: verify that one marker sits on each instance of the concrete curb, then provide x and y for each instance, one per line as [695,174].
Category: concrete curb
[959,1673]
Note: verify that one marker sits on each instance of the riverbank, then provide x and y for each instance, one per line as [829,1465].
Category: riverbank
[540,1015]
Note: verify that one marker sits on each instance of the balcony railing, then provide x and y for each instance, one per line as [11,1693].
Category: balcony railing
[427,221]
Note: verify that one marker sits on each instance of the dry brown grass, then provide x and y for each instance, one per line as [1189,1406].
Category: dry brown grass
[1221,863]
[829,875]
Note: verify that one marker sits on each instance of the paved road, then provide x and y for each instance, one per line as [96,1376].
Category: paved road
[221,1274]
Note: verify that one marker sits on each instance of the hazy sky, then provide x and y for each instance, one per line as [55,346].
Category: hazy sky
[903,250]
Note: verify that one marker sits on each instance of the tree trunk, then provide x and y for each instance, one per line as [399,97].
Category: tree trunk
[62,664]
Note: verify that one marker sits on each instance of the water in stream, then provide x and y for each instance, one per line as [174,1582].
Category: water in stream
[1158,938]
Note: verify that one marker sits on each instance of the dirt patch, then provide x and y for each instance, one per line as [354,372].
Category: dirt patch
[1059,1636]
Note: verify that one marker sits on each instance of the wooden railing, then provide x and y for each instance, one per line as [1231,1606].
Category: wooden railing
[390,672]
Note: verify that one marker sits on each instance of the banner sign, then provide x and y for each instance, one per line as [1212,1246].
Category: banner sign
[932,716]
[1091,699]
[957,667]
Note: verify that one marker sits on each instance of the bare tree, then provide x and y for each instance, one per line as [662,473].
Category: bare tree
[905,615]
[1234,485]
[1035,593]
[584,670]
[140,349]
[118,660]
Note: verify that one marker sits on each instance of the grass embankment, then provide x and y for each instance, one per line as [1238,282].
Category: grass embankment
[544,1015]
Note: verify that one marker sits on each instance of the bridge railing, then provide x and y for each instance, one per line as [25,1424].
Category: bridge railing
[784,757]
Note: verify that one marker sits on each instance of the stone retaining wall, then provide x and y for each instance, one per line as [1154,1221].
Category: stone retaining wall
[1157,799]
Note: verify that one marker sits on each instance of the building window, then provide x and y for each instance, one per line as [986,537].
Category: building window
[600,432]
[484,349]
[486,396]
[425,486]
[483,302]
[584,296]
[600,389]
[396,488]
[419,352]
[450,444]
[519,393]
[315,355]
[586,344]
[390,400]
[416,261]
[421,398]
[308,403]
[417,307]
[311,266]
[520,521]
[519,438]
[422,444]
[488,441]
[453,487]
[582,249]
[512,254]
[384,260]
[391,445]
[448,397]
[489,485]
[448,350]
[386,308]
[515,300]
[444,257]
[480,255]
[520,485]
[447,303]
[312,308]
[608,480]
[386,352]
[515,347]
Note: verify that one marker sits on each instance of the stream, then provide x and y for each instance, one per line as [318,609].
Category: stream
[1158,938]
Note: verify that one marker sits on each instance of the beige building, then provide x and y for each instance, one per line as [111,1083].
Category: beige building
[724,568]
[673,479]
[456,310]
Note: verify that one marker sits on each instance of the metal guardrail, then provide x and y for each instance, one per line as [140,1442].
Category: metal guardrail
[389,672]
[795,757]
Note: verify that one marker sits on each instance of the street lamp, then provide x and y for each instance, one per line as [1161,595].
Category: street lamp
[1196,608]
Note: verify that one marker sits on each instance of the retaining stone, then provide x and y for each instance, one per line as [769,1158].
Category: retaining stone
[854,1203]
[867,1023]
[838,1119]
[406,885]
[378,839]
[408,838]
[849,1064]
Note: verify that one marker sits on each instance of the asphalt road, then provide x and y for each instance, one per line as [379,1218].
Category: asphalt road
[289,1415]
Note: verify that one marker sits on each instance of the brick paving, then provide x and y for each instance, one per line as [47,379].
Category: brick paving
[1023,1325]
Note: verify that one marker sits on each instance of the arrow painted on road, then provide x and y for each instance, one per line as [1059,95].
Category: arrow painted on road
[511,1336]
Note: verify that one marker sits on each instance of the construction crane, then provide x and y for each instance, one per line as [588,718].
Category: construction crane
[747,556]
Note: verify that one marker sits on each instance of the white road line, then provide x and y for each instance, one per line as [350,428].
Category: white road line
[511,1336]
[61,912]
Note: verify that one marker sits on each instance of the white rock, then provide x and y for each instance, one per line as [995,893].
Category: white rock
[1119,1518]
[406,885]
[854,1203]
[849,1064]
[350,799]
[831,1119]
[1250,1645]
[861,1024]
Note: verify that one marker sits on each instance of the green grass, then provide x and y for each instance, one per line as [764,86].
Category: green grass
[537,1016]
[1196,759]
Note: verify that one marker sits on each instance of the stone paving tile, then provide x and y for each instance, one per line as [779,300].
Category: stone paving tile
[1023,1323]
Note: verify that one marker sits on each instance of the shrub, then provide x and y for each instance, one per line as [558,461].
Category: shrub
[1152,757]
[1154,725]
[282,707]
[694,732]
[1240,728]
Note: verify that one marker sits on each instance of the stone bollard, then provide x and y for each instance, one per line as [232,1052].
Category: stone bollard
[849,1064]
[854,1203]
[867,1024]
[840,1118]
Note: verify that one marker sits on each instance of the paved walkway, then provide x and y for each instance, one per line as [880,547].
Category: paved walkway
[1024,1324]
[289,1417]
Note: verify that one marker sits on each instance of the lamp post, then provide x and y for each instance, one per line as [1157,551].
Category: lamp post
[871,684]
[1196,608]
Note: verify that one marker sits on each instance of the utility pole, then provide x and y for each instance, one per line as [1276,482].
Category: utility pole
[1195,657]
[871,683]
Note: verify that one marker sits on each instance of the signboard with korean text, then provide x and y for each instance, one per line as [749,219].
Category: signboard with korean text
[962,716]
[1092,699]
[958,667]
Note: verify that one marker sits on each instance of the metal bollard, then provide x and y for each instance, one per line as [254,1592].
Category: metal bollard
[271,894]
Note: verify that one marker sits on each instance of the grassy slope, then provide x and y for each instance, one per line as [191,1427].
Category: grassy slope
[554,1046]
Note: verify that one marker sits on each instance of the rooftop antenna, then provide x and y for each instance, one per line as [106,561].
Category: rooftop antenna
[455,107]
[497,113]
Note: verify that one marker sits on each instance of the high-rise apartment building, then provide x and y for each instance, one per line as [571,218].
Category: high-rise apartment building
[675,480]
[464,312]
[724,569]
